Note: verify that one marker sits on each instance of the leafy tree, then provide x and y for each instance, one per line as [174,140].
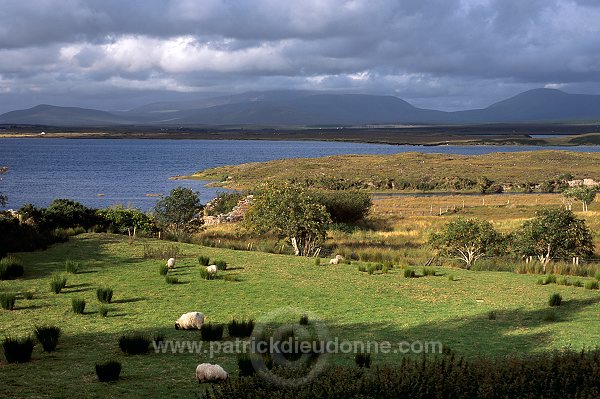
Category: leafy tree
[345,206]
[292,214]
[3,198]
[584,194]
[178,210]
[127,220]
[483,184]
[468,240]
[554,233]
[65,213]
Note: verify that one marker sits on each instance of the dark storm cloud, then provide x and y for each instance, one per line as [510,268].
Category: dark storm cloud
[446,53]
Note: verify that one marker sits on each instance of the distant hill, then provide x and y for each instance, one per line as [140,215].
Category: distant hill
[287,107]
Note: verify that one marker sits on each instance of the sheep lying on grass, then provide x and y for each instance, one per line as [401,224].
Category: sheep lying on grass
[190,321]
[171,263]
[336,260]
[212,269]
[207,372]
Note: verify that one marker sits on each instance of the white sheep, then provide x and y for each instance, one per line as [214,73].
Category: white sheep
[190,321]
[207,372]
[212,269]
[171,263]
[334,261]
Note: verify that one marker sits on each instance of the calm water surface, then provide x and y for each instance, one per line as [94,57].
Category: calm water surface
[104,172]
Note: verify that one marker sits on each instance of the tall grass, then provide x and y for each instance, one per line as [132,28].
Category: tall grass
[18,350]
[57,283]
[48,337]
[105,294]
[11,268]
[71,266]
[7,300]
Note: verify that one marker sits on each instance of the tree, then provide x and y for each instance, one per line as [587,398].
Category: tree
[554,233]
[127,220]
[584,194]
[468,240]
[178,210]
[292,214]
[3,198]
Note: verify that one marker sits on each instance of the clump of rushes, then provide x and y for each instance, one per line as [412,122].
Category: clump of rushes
[18,350]
[11,268]
[48,337]
[591,285]
[7,300]
[221,265]
[427,271]
[163,270]
[71,266]
[303,320]
[134,344]
[204,274]
[28,295]
[451,277]
[317,261]
[105,294]
[492,315]
[57,283]
[370,268]
[211,332]
[409,273]
[240,328]
[555,299]
[109,371]
[363,359]
[203,260]
[171,280]
[103,311]
[78,305]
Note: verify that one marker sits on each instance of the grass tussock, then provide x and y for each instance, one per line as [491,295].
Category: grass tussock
[47,336]
[11,268]
[18,350]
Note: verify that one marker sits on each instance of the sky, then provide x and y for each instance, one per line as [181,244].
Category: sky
[441,54]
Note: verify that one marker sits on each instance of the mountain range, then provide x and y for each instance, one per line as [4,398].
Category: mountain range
[306,108]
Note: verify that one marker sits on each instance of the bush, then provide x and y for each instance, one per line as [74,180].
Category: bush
[103,311]
[10,268]
[171,280]
[591,285]
[18,351]
[163,270]
[108,371]
[492,315]
[363,359]
[28,295]
[48,337]
[578,283]
[555,299]
[221,265]
[240,329]
[427,271]
[203,260]
[211,332]
[344,206]
[409,273]
[7,301]
[206,275]
[105,294]
[78,305]
[57,283]
[71,266]
[134,344]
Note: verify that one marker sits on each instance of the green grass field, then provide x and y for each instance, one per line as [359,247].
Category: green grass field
[354,306]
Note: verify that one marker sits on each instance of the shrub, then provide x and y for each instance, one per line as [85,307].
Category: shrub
[221,265]
[591,285]
[206,275]
[409,273]
[245,366]
[203,260]
[18,350]
[363,359]
[78,305]
[108,371]
[578,283]
[103,311]
[57,283]
[48,337]
[492,315]
[171,280]
[7,300]
[427,271]
[11,268]
[163,270]
[240,329]
[211,332]
[344,206]
[71,266]
[134,344]
[105,294]
[28,295]
[555,299]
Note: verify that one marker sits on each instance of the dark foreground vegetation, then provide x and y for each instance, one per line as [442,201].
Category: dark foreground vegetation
[554,375]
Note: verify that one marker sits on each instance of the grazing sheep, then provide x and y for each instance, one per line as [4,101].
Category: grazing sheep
[171,263]
[212,269]
[339,257]
[207,372]
[190,321]
[334,261]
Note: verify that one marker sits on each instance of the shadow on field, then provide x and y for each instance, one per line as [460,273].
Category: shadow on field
[130,300]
